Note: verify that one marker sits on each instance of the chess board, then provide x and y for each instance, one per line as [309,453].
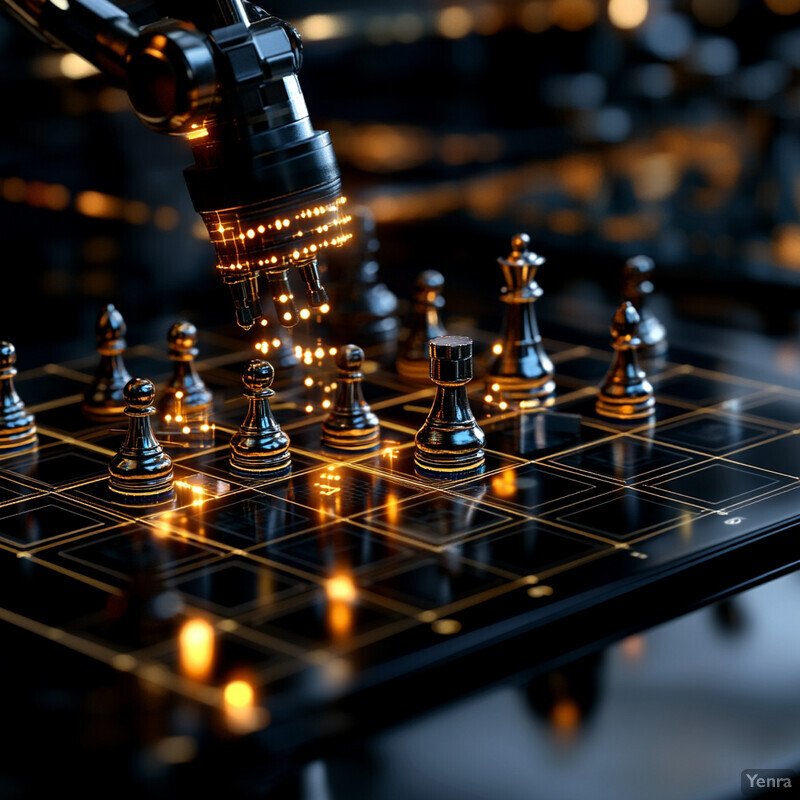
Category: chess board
[349,585]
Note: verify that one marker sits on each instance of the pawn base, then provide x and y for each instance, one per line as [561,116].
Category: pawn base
[145,496]
[625,408]
[357,440]
[13,440]
[260,466]
[448,466]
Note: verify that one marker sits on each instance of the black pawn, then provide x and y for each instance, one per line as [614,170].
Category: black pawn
[626,393]
[259,448]
[141,472]
[104,397]
[637,286]
[351,425]
[413,360]
[450,443]
[365,308]
[17,426]
[520,371]
[185,395]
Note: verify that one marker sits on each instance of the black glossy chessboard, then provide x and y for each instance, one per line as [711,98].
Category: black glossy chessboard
[335,589]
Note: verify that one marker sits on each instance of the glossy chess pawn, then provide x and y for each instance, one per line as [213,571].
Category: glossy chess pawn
[366,310]
[186,395]
[141,472]
[450,442]
[351,425]
[17,426]
[259,448]
[104,397]
[626,393]
[521,372]
[413,360]
[637,286]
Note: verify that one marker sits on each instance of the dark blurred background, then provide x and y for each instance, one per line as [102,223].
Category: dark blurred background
[604,128]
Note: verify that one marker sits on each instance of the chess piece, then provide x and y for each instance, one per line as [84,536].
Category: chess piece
[259,448]
[185,396]
[450,442]
[104,397]
[626,394]
[520,371]
[637,285]
[413,361]
[351,425]
[17,426]
[365,309]
[141,472]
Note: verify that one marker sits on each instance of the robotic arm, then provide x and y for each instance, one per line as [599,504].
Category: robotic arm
[224,77]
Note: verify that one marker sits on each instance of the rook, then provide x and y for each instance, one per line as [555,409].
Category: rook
[450,442]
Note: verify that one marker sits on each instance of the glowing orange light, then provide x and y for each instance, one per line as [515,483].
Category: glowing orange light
[333,352]
[326,403]
[196,648]
[186,429]
[309,408]
[497,349]
[324,308]
[287,315]
[627,14]
[341,587]
[488,398]
[304,313]
[200,133]
[239,694]
[495,387]
[319,353]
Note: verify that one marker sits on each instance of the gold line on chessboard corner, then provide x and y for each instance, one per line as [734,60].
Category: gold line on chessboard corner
[66,438]
[727,458]
[709,460]
[504,521]
[331,514]
[70,539]
[715,412]
[637,539]
[97,584]
[586,534]
[771,440]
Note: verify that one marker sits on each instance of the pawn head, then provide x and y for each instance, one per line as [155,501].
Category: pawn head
[258,375]
[626,321]
[429,280]
[350,358]
[110,324]
[8,355]
[139,393]
[182,336]
[520,243]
